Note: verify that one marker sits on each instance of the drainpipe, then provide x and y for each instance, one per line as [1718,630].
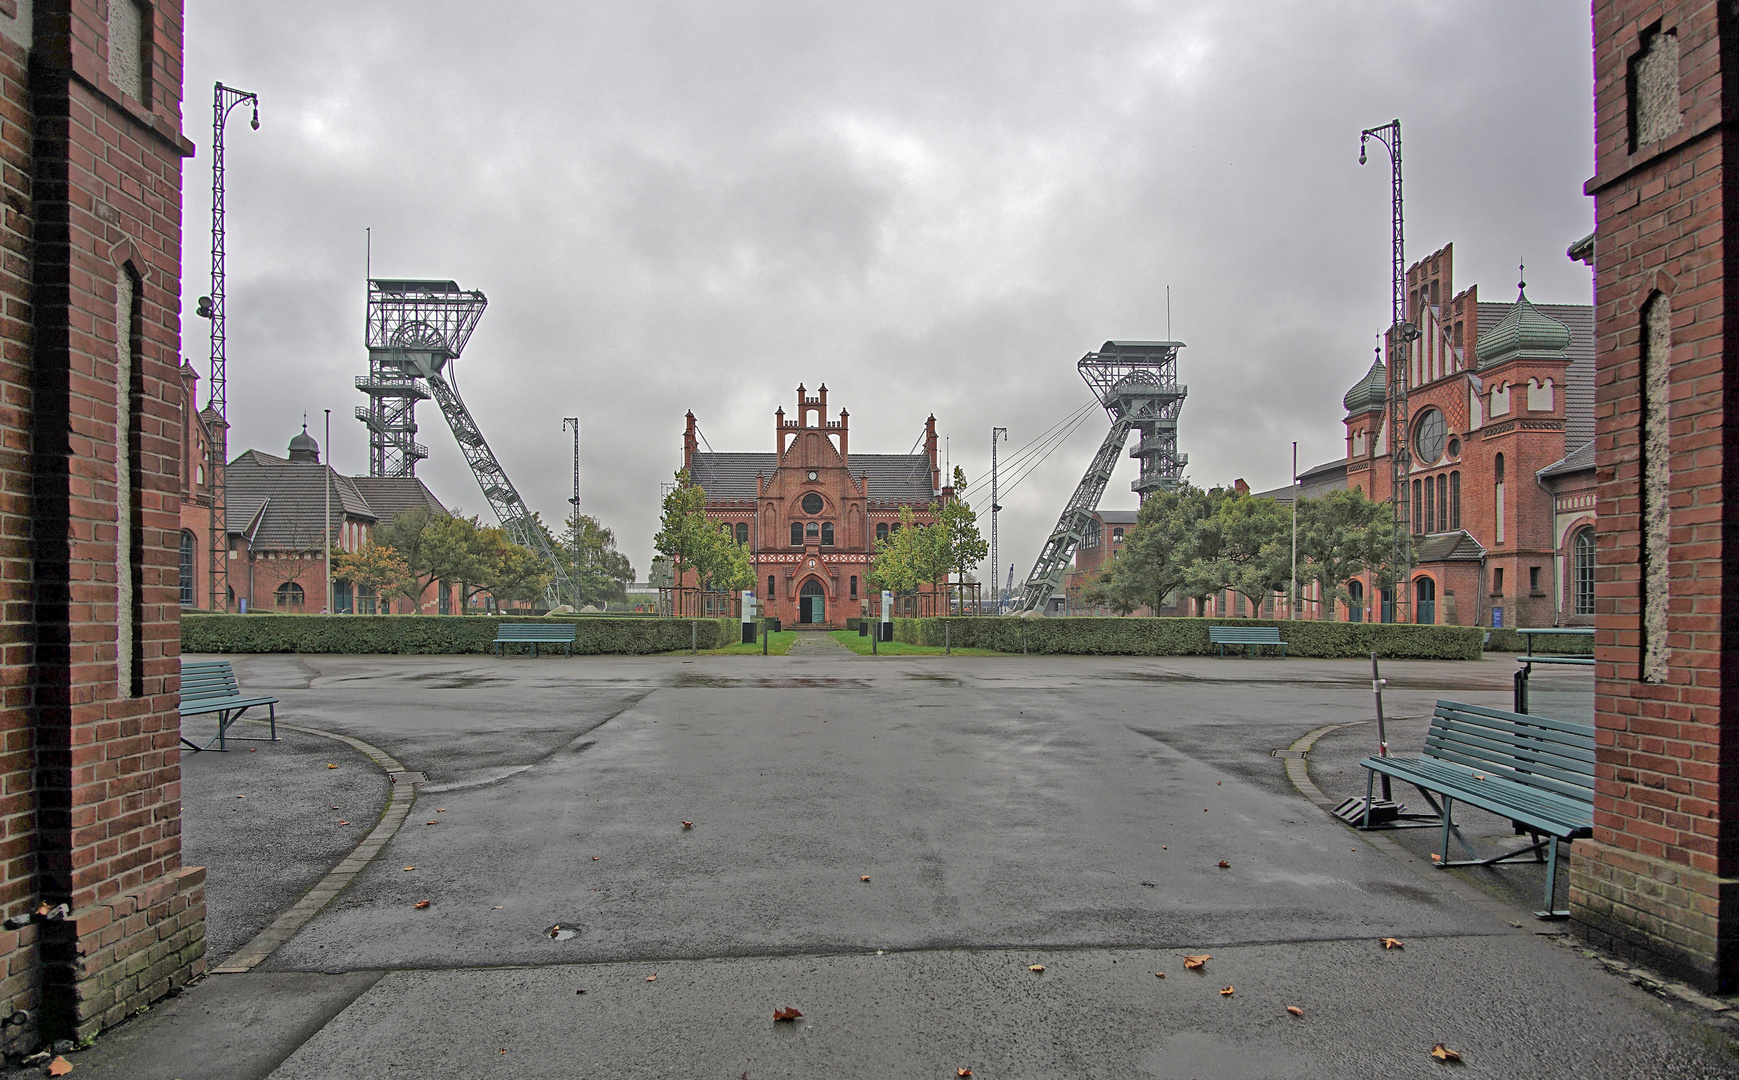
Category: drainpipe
[1557,586]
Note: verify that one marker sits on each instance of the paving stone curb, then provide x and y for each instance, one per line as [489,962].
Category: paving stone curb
[337,879]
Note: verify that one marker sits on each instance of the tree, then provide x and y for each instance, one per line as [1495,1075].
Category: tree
[1161,552]
[599,572]
[893,567]
[1341,534]
[722,564]
[409,534]
[517,573]
[462,552]
[372,569]
[684,536]
[1255,536]
[959,525]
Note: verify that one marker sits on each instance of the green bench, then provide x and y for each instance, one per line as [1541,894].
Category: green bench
[209,686]
[1529,659]
[534,634]
[1245,636]
[1536,771]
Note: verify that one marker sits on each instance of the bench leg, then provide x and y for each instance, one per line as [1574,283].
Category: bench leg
[1551,912]
[273,710]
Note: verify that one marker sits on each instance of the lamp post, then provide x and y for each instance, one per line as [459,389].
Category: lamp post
[995,509]
[1401,336]
[1292,608]
[574,421]
[224,98]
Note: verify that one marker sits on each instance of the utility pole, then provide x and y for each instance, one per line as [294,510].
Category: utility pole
[995,434]
[326,531]
[1402,334]
[1292,608]
[575,422]
[223,99]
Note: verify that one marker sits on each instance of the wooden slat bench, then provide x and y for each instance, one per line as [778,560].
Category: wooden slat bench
[209,686]
[534,634]
[1536,771]
[1245,636]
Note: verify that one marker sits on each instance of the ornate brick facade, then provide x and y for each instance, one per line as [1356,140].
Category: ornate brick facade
[90,457]
[812,512]
[1660,877]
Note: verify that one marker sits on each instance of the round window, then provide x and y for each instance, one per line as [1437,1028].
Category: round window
[812,503]
[1454,447]
[1429,436]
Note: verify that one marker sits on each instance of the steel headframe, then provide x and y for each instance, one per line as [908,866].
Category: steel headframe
[416,330]
[1402,334]
[223,99]
[1136,383]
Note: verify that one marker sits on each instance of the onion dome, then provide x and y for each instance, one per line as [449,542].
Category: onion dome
[1367,394]
[303,448]
[1525,333]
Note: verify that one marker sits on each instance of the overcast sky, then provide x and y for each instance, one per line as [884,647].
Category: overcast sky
[931,207]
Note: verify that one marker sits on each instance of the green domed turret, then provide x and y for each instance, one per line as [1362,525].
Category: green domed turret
[1367,394]
[1526,333]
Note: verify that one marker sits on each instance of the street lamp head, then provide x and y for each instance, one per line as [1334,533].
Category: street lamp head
[1361,149]
[255,123]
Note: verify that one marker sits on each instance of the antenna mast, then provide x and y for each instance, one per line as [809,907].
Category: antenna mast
[223,99]
[1402,334]
[996,434]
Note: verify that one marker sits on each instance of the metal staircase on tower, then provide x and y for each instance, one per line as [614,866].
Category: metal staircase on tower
[1136,382]
[416,332]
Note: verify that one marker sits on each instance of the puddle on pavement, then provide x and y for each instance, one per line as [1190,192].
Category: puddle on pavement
[562,932]
[442,680]
[690,680]
[945,680]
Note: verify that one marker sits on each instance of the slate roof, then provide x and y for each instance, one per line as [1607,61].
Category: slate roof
[278,504]
[1455,546]
[1578,460]
[1579,377]
[1313,481]
[896,478]
[1117,517]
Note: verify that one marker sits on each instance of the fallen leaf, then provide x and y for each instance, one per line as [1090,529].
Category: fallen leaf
[331,766]
[787,1013]
[962,1072]
[1295,1010]
[1444,1053]
[59,1067]
[1194,962]
[594,858]
[1217,783]
[420,904]
[503,1050]
[651,978]
[863,877]
[1479,776]
[241,796]
[1227,992]
[1159,974]
[335,808]
[440,809]
[410,868]
[688,824]
[1162,847]
[1436,857]
[497,907]
[579,991]
[1392,943]
[344,823]
[1037,969]
[254,750]
[1224,865]
[555,931]
[428,823]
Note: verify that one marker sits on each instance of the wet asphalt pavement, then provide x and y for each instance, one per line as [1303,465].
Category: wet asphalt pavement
[1069,812]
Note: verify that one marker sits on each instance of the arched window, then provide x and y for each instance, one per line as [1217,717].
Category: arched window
[1455,500]
[827,534]
[1582,571]
[1117,535]
[1497,475]
[770,590]
[812,531]
[1429,522]
[854,586]
[188,540]
[881,531]
[289,596]
[1418,521]
[742,532]
[1442,502]
[894,528]
[796,534]
[1355,601]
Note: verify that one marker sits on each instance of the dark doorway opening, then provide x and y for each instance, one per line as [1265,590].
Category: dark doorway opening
[811,602]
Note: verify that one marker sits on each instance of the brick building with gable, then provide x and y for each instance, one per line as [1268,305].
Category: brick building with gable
[811,512]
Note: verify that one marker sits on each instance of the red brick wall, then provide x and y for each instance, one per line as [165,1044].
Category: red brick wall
[107,202]
[1660,878]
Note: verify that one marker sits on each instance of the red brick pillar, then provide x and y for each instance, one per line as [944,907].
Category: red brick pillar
[105,463]
[1659,880]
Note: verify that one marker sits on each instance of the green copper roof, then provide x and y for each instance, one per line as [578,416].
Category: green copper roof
[1524,333]
[1367,394]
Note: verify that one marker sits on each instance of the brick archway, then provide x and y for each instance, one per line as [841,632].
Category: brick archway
[812,598]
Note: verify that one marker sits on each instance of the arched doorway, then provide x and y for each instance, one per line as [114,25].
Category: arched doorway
[811,602]
[1355,601]
[1424,600]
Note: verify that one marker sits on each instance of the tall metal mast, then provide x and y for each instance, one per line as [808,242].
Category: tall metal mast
[1402,334]
[1136,382]
[223,99]
[574,422]
[996,434]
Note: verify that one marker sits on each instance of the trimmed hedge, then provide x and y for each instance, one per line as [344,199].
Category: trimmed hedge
[1189,637]
[1510,640]
[435,634]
